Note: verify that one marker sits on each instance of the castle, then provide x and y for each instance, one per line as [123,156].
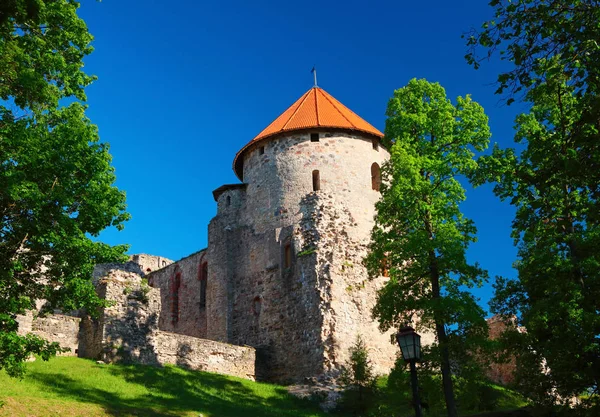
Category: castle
[281,283]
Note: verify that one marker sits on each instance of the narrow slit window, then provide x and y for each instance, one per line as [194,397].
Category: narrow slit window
[203,281]
[261,150]
[287,255]
[314,137]
[175,298]
[375,144]
[316,179]
[228,200]
[375,177]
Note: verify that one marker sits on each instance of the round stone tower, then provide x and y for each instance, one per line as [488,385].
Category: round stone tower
[317,144]
[286,247]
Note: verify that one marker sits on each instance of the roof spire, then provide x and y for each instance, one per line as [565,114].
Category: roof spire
[314,73]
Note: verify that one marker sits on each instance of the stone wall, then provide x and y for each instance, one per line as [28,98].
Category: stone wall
[204,355]
[301,309]
[182,311]
[60,328]
[125,326]
[150,263]
[128,330]
[501,372]
[346,293]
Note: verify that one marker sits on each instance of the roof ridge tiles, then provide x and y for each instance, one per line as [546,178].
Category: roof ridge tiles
[295,111]
[336,107]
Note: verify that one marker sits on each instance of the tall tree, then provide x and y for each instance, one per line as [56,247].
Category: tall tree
[56,181]
[557,294]
[553,183]
[420,235]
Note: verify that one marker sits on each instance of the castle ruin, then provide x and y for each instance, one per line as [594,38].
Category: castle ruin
[283,271]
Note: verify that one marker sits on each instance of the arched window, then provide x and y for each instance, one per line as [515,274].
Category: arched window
[316,178]
[176,284]
[203,279]
[375,176]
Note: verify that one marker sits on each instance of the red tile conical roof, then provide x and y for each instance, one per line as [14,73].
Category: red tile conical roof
[315,109]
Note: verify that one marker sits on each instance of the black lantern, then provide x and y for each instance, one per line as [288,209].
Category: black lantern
[410,344]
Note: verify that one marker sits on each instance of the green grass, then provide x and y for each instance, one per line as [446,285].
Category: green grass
[69,387]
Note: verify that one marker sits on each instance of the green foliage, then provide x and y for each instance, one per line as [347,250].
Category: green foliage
[358,371]
[307,251]
[56,180]
[527,33]
[358,379]
[42,46]
[553,184]
[472,394]
[420,234]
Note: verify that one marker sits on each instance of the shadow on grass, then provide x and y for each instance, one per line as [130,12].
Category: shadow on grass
[171,391]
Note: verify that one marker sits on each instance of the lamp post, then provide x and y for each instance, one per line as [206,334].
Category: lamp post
[410,346]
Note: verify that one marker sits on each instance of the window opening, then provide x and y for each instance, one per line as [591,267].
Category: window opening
[375,177]
[175,295]
[287,255]
[316,179]
[228,200]
[261,150]
[203,281]
[314,137]
[375,144]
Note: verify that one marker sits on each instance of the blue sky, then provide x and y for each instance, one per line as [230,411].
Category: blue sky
[182,86]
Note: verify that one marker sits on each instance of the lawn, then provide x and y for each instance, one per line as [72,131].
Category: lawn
[69,387]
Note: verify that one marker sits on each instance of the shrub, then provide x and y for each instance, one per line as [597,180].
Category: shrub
[359,380]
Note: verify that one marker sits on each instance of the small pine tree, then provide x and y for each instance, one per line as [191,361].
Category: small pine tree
[357,376]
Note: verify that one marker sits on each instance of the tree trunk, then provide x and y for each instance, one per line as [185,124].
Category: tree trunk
[440,330]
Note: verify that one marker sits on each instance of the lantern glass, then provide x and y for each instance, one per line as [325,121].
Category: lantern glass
[410,343]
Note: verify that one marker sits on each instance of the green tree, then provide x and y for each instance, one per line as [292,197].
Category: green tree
[553,183]
[527,33]
[556,296]
[357,375]
[420,235]
[56,180]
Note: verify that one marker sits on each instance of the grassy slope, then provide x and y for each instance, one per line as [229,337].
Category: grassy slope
[72,387]
[77,387]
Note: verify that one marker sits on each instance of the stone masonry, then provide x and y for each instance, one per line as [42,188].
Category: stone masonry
[129,330]
[59,328]
[281,291]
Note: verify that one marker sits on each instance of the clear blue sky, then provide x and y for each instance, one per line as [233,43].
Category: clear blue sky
[183,85]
